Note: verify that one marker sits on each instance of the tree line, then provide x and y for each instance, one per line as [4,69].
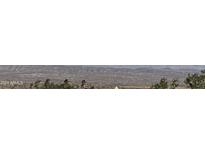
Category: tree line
[48,84]
[192,81]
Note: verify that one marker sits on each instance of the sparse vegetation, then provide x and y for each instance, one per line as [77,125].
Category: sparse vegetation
[196,80]
[47,84]
[164,84]
[83,83]
[192,81]
[174,84]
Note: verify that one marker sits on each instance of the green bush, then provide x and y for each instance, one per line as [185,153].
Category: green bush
[196,80]
[35,85]
[164,84]
[174,84]
[47,84]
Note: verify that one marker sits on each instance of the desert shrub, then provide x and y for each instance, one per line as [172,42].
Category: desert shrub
[163,84]
[196,80]
[47,84]
[53,86]
[31,85]
[36,84]
[66,85]
[83,83]
[86,85]
[174,84]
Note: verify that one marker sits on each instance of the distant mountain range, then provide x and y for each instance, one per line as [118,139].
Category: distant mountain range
[48,67]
